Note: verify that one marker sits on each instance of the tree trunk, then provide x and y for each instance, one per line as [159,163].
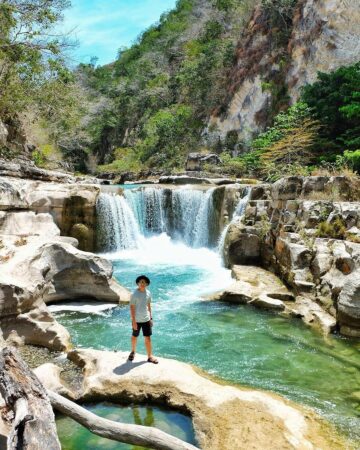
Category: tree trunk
[130,434]
[33,426]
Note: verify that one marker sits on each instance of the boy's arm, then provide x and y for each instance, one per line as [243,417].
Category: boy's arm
[149,309]
[133,319]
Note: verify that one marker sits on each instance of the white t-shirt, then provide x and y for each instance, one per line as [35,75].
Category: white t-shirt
[141,300]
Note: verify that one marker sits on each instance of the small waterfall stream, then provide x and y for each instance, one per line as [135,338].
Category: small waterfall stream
[236,217]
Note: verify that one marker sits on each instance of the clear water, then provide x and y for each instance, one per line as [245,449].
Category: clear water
[74,436]
[237,343]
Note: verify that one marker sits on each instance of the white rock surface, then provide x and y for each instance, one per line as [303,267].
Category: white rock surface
[252,419]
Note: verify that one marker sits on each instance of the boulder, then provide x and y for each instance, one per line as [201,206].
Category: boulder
[288,188]
[349,305]
[37,327]
[27,223]
[242,245]
[314,184]
[255,286]
[183,179]
[73,274]
[312,314]
[41,271]
[196,161]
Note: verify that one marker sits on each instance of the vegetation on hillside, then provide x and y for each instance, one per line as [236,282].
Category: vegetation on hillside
[149,108]
[34,77]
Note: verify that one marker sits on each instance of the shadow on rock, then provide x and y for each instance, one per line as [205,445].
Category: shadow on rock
[126,367]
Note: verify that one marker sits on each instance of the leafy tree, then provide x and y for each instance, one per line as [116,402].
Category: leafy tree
[31,56]
[335,99]
[295,144]
[167,136]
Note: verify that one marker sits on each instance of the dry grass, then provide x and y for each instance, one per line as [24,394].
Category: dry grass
[21,241]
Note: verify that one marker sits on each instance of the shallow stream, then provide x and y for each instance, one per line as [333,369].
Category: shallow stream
[236,343]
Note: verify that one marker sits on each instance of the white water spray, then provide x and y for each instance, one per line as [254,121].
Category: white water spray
[236,218]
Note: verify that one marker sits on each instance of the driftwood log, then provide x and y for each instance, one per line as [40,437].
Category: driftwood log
[130,434]
[33,424]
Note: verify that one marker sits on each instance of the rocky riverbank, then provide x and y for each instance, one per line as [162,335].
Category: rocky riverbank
[252,419]
[39,266]
[279,231]
[306,230]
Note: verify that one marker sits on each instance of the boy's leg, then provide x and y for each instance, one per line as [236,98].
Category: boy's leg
[134,336]
[147,331]
[148,345]
[133,343]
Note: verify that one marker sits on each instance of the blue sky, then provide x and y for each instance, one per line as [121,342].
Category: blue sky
[101,27]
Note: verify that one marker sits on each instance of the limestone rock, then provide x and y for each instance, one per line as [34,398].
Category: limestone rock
[11,197]
[349,305]
[325,36]
[195,161]
[242,245]
[183,179]
[72,206]
[335,40]
[37,327]
[256,286]
[288,188]
[29,170]
[14,340]
[252,418]
[49,375]
[3,133]
[47,271]
[265,302]
[312,314]
[27,223]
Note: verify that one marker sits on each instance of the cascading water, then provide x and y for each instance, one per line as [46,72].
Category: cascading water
[117,228]
[236,217]
[184,214]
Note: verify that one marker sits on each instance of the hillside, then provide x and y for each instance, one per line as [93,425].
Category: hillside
[208,78]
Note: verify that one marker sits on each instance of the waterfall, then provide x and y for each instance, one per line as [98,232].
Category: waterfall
[236,217]
[184,214]
[117,227]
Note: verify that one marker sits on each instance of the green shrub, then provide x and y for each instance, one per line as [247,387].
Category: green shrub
[335,229]
[352,159]
[126,160]
[38,158]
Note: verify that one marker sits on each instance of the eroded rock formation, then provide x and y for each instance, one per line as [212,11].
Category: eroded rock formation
[324,36]
[38,266]
[72,206]
[251,418]
[307,230]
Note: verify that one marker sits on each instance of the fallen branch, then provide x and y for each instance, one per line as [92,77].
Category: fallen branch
[33,426]
[130,434]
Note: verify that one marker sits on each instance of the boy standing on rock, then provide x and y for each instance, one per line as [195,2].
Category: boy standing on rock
[141,317]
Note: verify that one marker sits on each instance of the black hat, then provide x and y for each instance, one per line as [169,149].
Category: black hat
[143,277]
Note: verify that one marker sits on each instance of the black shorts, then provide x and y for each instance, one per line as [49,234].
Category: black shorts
[146,329]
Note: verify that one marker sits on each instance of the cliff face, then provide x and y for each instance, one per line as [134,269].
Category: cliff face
[268,75]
